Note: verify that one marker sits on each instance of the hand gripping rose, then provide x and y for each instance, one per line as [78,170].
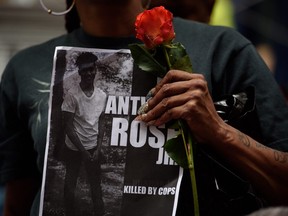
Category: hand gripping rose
[158,55]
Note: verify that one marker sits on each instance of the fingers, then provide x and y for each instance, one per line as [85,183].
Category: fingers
[176,83]
[177,76]
[172,97]
[167,109]
[181,95]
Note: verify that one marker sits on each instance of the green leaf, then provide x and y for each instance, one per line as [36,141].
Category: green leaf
[175,149]
[145,60]
[183,64]
[178,57]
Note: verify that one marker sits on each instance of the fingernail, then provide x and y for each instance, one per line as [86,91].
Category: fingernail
[141,117]
[138,118]
[149,95]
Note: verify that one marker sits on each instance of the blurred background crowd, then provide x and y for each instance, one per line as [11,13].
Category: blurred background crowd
[264,22]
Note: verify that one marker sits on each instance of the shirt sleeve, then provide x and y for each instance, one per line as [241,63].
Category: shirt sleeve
[268,123]
[17,156]
[69,103]
[233,65]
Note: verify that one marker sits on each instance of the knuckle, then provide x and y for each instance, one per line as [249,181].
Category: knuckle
[190,106]
[201,76]
[199,88]
[150,115]
[201,83]
[171,74]
[166,89]
[197,95]
[169,114]
[165,103]
[194,96]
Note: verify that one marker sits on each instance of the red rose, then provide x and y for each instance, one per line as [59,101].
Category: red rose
[155,27]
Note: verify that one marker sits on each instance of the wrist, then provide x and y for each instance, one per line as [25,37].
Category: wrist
[224,136]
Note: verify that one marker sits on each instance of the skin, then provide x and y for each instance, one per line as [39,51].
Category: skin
[181,95]
[104,14]
[178,95]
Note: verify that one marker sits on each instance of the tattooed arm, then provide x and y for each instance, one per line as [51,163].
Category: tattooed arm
[181,95]
[264,167]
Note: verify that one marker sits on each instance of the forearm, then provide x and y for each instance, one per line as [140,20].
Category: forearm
[181,95]
[264,167]
[101,130]
[70,131]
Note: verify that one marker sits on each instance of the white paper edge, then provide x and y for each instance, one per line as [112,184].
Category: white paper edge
[177,191]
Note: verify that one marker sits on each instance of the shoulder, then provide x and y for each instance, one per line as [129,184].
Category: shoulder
[74,91]
[203,35]
[214,48]
[184,26]
[39,51]
[43,51]
[35,61]
[34,56]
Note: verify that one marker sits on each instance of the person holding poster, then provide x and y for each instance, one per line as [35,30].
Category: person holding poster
[241,165]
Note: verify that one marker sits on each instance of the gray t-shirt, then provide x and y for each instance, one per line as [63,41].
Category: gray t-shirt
[87,111]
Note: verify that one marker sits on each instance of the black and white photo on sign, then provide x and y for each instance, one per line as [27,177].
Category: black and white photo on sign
[99,161]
